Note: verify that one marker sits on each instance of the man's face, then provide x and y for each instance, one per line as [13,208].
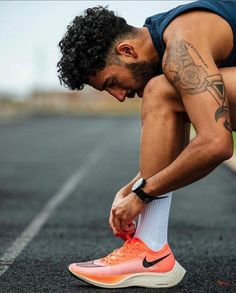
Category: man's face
[124,80]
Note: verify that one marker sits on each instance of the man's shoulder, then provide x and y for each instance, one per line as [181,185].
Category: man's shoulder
[209,33]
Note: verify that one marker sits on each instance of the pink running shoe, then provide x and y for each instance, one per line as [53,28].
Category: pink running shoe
[134,264]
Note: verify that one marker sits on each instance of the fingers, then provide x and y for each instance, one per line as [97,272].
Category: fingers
[130,228]
[121,223]
[116,221]
[115,224]
[111,224]
[129,231]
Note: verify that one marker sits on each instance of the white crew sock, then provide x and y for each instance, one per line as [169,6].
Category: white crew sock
[153,222]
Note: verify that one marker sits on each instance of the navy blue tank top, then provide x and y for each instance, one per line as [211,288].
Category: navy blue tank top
[156,24]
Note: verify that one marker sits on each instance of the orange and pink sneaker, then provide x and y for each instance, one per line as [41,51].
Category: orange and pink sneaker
[134,264]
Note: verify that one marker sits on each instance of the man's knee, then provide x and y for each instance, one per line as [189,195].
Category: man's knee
[158,82]
[158,98]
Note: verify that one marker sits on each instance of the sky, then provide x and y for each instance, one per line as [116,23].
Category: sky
[31,30]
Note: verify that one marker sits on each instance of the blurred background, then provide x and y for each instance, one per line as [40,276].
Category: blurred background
[50,136]
[30,32]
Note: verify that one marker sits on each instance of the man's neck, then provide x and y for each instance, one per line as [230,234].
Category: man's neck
[148,49]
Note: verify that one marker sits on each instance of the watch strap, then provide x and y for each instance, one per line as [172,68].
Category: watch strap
[144,196]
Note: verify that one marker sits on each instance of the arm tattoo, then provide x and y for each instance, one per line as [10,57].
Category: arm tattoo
[192,79]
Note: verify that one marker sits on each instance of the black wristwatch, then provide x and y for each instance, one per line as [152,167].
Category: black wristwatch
[137,188]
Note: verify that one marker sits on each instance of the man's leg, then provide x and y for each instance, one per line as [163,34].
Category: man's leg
[163,138]
[134,264]
[165,132]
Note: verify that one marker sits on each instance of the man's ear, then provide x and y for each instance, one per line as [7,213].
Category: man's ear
[126,50]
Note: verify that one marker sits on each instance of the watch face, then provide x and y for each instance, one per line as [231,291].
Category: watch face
[139,183]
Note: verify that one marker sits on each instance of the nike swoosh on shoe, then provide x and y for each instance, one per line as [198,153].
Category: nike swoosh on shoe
[148,264]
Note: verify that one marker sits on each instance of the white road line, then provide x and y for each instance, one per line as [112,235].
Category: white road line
[36,224]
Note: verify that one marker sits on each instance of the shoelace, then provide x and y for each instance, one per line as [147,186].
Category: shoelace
[128,247]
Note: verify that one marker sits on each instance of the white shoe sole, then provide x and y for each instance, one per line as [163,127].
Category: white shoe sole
[148,280]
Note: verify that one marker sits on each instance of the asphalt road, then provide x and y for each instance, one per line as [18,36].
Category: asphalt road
[94,157]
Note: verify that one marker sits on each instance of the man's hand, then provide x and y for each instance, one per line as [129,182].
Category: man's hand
[123,213]
[119,196]
[125,191]
[131,227]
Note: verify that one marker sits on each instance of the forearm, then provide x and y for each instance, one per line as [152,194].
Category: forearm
[195,162]
[127,188]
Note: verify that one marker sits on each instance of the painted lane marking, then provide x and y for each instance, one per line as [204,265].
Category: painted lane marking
[37,223]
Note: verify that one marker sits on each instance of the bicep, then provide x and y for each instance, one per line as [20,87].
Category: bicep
[192,71]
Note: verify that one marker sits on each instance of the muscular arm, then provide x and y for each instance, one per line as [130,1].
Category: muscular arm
[192,71]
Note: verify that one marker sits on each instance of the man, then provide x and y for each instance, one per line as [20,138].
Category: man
[182,62]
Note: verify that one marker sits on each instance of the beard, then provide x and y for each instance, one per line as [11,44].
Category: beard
[143,71]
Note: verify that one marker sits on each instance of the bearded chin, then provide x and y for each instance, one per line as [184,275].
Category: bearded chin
[143,71]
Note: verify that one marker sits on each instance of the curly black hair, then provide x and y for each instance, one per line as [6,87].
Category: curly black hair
[86,45]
